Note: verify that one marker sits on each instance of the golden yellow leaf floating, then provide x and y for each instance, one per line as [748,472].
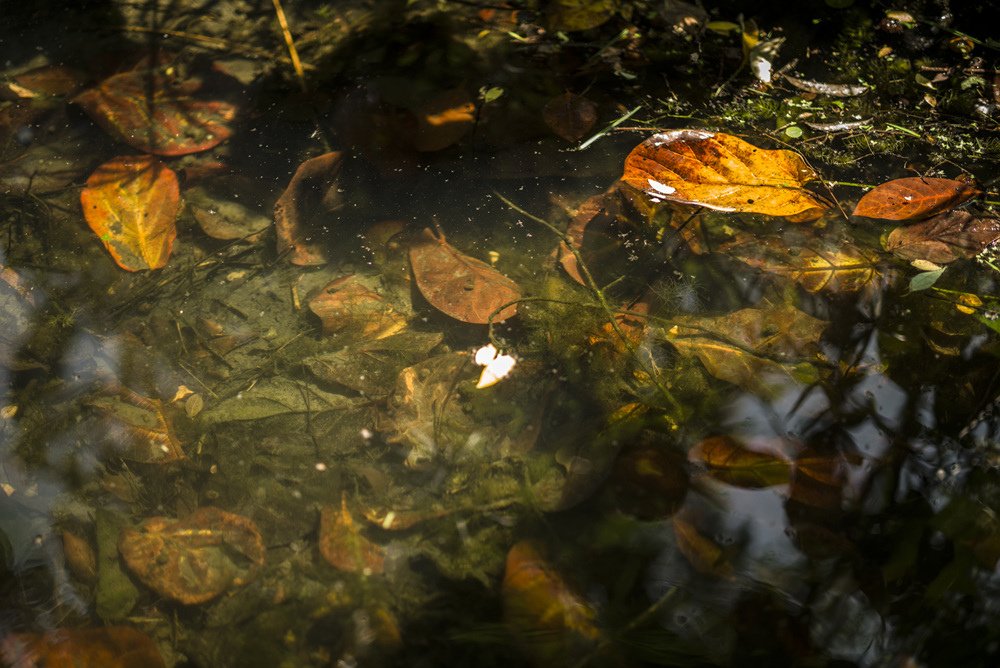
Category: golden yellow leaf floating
[723,172]
[131,203]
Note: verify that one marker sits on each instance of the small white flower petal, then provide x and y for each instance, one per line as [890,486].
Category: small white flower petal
[662,188]
[486,354]
[495,371]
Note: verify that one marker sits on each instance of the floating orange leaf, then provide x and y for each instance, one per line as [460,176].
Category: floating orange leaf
[304,208]
[110,647]
[463,287]
[722,172]
[554,622]
[131,203]
[343,546]
[570,116]
[346,304]
[149,111]
[193,560]
[947,237]
[730,461]
[913,198]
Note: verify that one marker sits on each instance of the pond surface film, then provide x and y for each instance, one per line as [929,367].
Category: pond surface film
[420,333]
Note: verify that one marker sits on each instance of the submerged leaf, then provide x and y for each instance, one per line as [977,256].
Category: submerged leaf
[815,262]
[914,198]
[371,367]
[194,559]
[462,287]
[947,237]
[754,347]
[574,15]
[150,112]
[275,396]
[304,208]
[442,120]
[139,426]
[722,172]
[702,553]
[346,304]
[570,116]
[731,462]
[109,647]
[343,546]
[131,203]
[554,623]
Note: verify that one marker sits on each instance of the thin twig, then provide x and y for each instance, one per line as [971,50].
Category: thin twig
[290,43]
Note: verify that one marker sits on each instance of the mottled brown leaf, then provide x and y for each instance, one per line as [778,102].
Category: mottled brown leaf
[730,461]
[342,544]
[149,111]
[946,237]
[914,198]
[139,427]
[722,172]
[109,647]
[570,116]
[131,203]
[701,552]
[460,286]
[305,207]
[193,560]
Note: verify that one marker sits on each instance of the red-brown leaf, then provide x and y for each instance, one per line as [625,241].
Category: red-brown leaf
[460,286]
[944,238]
[131,203]
[299,213]
[110,647]
[346,304]
[147,110]
[913,198]
[342,544]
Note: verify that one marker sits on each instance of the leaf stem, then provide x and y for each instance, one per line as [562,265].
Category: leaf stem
[607,129]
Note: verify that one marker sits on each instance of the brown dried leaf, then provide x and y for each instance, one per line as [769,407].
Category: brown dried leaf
[80,556]
[109,647]
[731,462]
[193,560]
[460,286]
[442,120]
[140,426]
[914,198]
[702,553]
[722,172]
[131,203]
[946,237]
[346,304]
[304,209]
[343,546]
[570,116]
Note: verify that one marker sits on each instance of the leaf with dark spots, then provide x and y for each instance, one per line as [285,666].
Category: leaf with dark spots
[914,198]
[947,237]
[570,116]
[305,208]
[722,172]
[149,111]
[131,203]
[460,286]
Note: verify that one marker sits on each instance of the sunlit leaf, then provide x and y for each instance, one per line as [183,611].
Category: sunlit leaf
[814,261]
[570,116]
[303,211]
[109,647]
[914,198]
[730,461]
[346,305]
[925,279]
[701,552]
[554,623]
[462,287]
[573,15]
[131,204]
[946,237]
[193,560]
[149,111]
[754,348]
[722,172]
[342,544]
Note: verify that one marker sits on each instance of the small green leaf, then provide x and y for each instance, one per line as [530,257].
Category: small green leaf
[793,131]
[925,279]
[490,94]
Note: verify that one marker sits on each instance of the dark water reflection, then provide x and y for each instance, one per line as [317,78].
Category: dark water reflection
[561,517]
